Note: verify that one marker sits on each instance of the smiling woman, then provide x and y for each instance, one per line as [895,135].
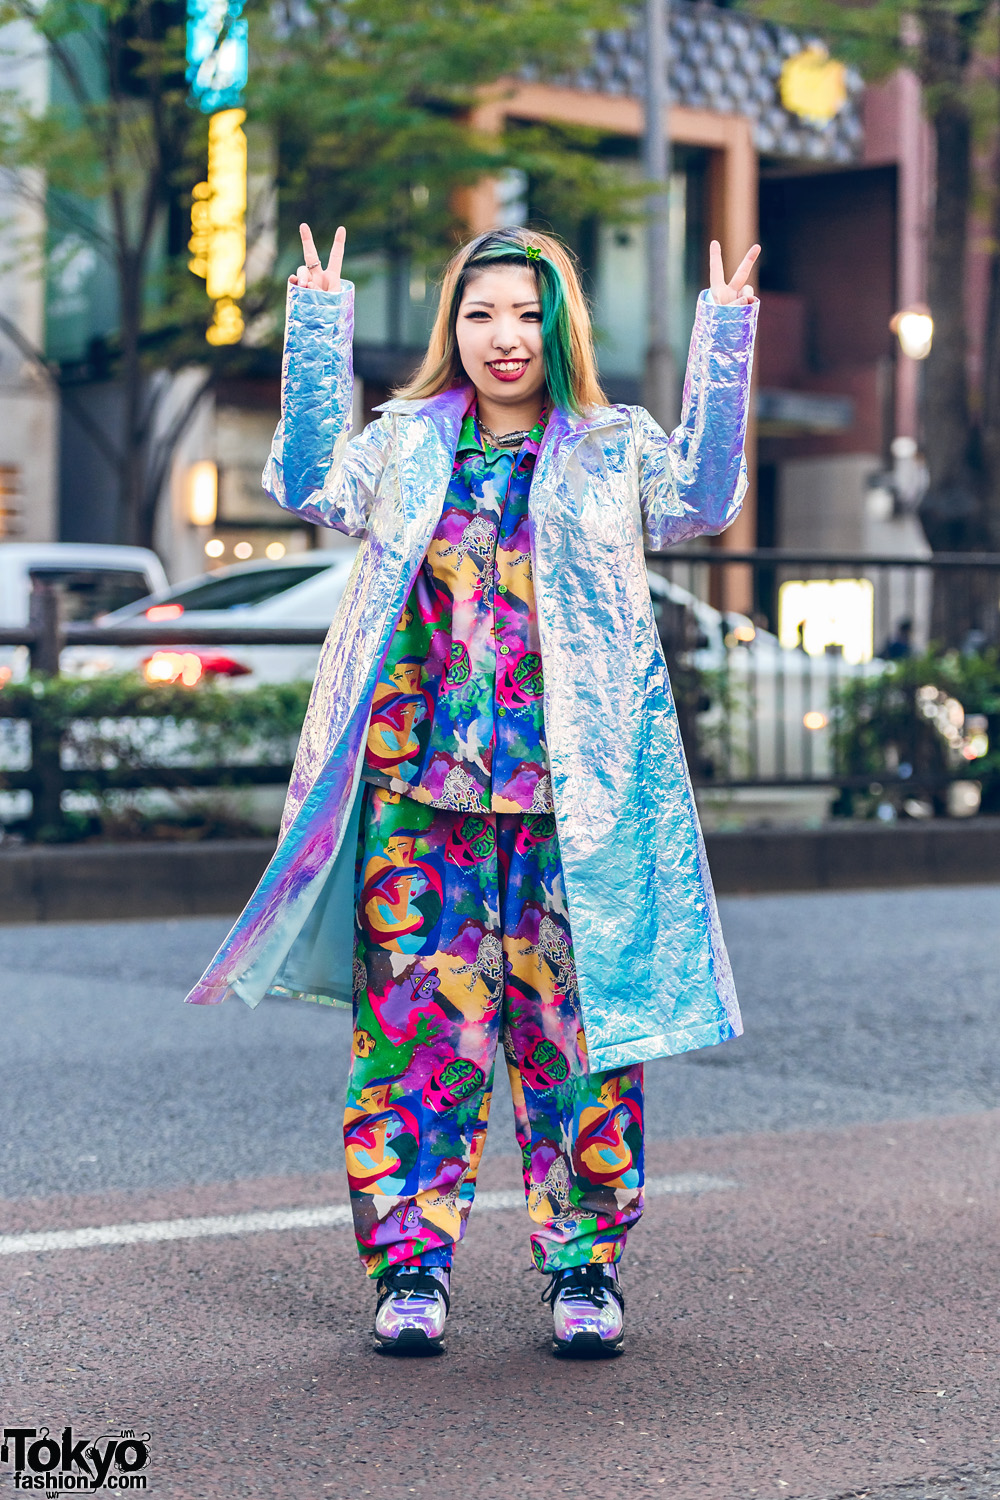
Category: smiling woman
[490,831]
[510,282]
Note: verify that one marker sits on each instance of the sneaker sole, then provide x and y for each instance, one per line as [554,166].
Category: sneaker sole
[588,1346]
[412,1343]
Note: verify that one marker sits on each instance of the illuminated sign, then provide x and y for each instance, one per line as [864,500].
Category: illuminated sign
[813,85]
[218,242]
[217,53]
[817,615]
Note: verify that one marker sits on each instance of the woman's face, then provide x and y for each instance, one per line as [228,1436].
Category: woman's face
[499,335]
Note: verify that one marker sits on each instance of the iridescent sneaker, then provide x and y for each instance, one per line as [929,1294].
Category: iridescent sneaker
[588,1312]
[412,1306]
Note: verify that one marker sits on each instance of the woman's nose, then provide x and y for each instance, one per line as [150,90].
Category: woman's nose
[505,339]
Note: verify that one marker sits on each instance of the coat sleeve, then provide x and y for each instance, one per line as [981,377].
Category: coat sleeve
[693,482]
[315,468]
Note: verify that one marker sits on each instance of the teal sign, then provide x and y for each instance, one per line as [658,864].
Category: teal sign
[217,54]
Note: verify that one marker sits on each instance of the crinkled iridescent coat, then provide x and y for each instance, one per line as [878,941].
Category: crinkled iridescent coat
[654,976]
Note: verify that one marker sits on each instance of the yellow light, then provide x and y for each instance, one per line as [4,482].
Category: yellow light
[813,85]
[243,550]
[815,720]
[215,547]
[6,673]
[914,327]
[218,242]
[274,550]
[203,493]
[173,666]
[227,325]
[817,613]
[191,668]
[160,667]
[745,633]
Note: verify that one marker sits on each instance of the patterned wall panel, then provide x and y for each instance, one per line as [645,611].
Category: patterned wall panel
[725,61]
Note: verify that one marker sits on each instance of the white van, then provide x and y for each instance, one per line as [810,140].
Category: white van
[92,580]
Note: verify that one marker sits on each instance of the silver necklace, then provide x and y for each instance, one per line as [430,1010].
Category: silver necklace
[509,439]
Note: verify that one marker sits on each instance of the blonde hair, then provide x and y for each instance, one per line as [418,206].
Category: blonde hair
[567,339]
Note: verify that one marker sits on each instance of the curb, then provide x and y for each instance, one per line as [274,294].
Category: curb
[99,882]
[853,856]
[95,882]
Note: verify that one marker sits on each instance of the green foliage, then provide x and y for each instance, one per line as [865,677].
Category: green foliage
[374,101]
[117,734]
[221,719]
[904,717]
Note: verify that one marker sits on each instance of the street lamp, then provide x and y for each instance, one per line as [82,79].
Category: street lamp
[202,493]
[914,327]
[660,384]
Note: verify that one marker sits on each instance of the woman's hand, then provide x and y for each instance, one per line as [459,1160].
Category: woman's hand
[736,290]
[312,273]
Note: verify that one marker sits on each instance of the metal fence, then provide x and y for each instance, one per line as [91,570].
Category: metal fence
[770,653]
[779,666]
[48,777]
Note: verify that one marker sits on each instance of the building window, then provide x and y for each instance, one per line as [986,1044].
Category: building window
[10,500]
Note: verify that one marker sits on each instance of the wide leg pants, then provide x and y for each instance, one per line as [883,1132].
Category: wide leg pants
[462,939]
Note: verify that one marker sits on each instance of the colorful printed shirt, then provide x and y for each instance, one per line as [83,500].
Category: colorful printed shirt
[457,715]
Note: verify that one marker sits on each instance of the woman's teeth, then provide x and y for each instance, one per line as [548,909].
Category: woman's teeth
[507,366]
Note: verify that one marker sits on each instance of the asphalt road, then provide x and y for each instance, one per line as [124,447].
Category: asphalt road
[825,1327]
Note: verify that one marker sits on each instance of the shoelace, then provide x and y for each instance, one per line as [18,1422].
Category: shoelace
[412,1285]
[582,1283]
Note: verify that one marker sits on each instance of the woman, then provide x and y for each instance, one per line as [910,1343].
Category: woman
[490,830]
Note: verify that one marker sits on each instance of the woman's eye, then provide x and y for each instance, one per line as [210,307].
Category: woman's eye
[532,317]
[479,317]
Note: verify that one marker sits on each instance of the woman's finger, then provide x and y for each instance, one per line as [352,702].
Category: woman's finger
[336,260]
[312,260]
[716,279]
[302,276]
[747,294]
[743,270]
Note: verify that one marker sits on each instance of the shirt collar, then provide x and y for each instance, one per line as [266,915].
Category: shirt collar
[469,440]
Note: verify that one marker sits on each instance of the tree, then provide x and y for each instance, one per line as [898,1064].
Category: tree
[369,104]
[952,46]
[373,107]
[110,146]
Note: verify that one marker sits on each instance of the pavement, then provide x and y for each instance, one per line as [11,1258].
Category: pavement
[812,1291]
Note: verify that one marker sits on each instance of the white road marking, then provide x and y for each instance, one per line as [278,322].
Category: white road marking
[335,1216]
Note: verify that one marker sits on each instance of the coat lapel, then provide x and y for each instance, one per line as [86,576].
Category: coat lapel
[563,435]
[427,434]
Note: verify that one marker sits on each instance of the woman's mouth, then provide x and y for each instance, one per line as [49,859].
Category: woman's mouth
[507,369]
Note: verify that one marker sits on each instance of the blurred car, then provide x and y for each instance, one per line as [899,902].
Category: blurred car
[765,710]
[303,591]
[90,580]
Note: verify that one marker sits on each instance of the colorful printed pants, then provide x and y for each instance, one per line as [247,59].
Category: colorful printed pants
[461,937]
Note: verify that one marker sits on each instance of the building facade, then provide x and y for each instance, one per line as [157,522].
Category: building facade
[771,140]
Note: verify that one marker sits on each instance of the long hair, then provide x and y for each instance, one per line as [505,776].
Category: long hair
[567,339]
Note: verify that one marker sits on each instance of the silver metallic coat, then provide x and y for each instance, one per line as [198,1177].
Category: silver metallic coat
[653,972]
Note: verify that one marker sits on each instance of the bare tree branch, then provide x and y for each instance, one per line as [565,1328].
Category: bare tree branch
[93,430]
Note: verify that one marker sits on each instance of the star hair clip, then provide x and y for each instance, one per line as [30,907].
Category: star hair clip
[533,252]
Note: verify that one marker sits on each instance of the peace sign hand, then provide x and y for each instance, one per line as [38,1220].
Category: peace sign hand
[312,273]
[726,292]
